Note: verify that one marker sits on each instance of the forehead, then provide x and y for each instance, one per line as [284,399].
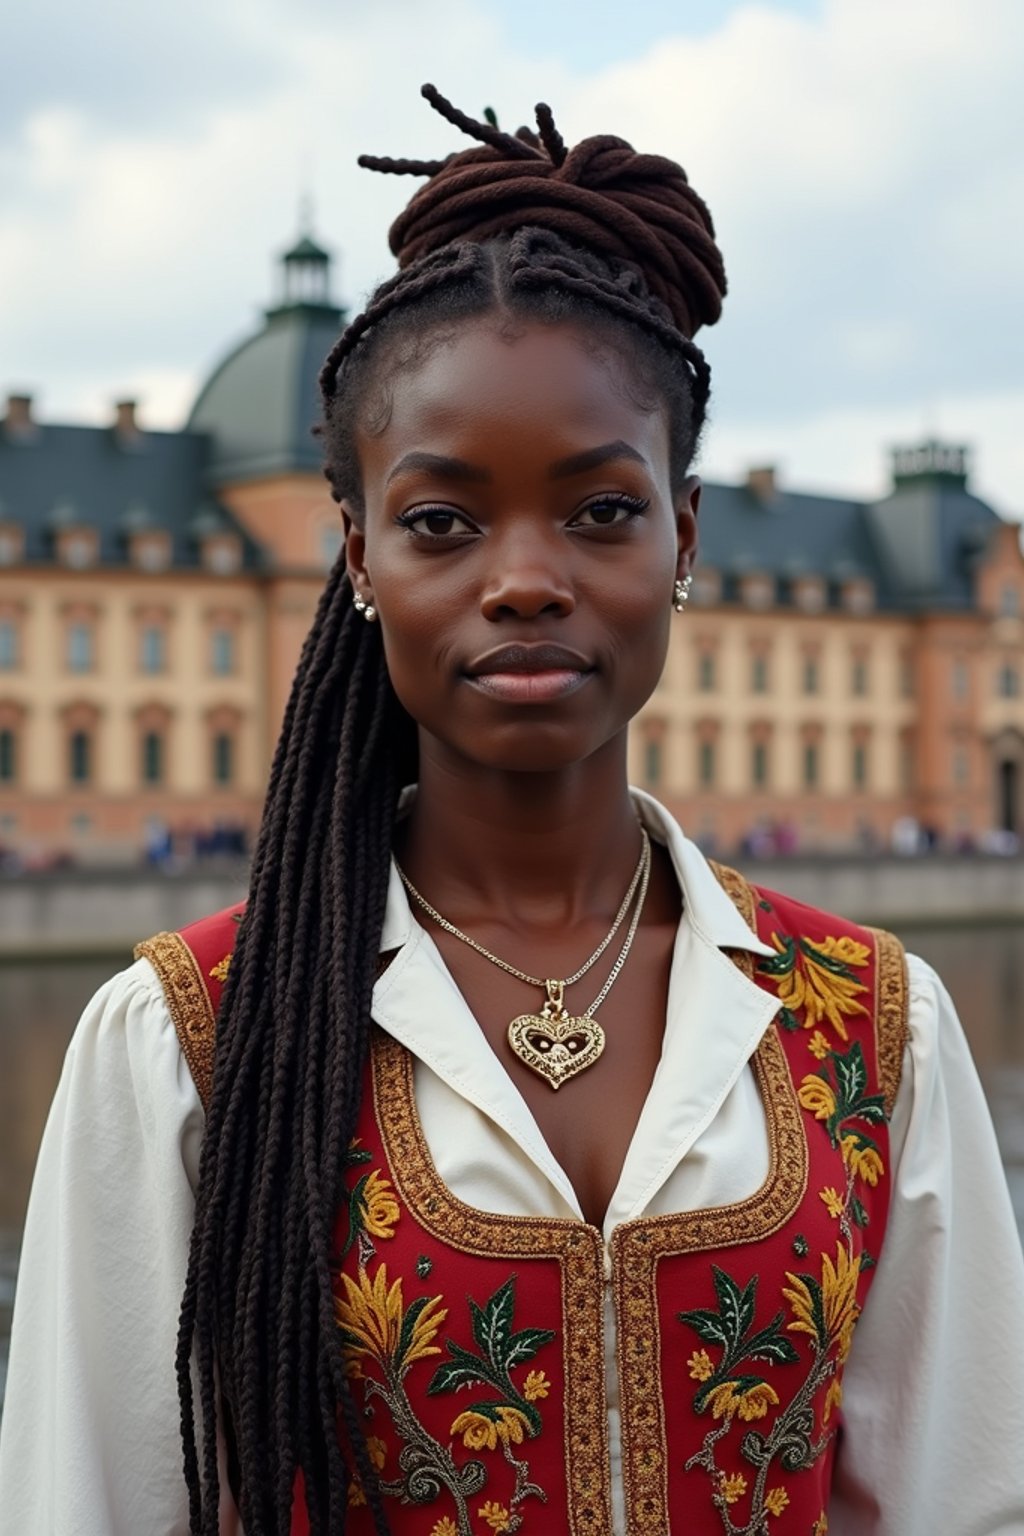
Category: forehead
[487,389]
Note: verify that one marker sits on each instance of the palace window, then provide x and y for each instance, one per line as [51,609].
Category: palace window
[706,764]
[759,672]
[223,758]
[652,760]
[8,755]
[759,764]
[960,678]
[706,671]
[222,652]
[152,757]
[859,765]
[1008,682]
[811,674]
[906,675]
[8,645]
[859,676]
[811,765]
[80,648]
[153,648]
[80,757]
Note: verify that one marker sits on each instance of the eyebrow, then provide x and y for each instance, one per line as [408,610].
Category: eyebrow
[459,469]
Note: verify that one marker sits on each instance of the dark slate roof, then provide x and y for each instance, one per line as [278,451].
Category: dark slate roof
[64,476]
[916,546]
[260,405]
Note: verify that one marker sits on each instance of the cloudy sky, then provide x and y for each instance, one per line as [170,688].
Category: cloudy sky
[864,160]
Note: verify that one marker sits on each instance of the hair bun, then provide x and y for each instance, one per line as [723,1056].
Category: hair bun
[601,195]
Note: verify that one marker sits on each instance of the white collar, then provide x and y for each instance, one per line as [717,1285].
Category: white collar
[715,1019]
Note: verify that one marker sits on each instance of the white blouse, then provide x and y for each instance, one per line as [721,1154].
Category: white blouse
[933,1403]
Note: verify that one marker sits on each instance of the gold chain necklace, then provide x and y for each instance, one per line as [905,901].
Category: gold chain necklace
[554,1043]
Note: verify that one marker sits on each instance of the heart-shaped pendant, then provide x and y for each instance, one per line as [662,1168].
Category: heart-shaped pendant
[556,1046]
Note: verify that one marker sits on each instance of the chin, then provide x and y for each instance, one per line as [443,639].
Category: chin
[531,750]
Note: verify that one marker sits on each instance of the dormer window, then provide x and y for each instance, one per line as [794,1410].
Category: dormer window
[77,548]
[857,595]
[809,594]
[12,543]
[757,591]
[707,587]
[222,553]
[151,551]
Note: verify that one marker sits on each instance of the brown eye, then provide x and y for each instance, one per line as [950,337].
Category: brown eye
[435,523]
[610,511]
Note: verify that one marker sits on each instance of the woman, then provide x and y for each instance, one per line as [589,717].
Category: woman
[647,1201]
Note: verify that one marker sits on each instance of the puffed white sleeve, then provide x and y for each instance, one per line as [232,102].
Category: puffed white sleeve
[90,1442]
[933,1436]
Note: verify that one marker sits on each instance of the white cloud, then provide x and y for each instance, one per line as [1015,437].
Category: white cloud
[865,167]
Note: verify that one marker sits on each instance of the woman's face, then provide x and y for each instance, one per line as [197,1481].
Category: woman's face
[520,544]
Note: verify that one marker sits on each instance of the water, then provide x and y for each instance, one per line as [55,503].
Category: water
[39,1004]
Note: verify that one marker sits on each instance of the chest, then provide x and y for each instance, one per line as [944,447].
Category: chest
[589,1122]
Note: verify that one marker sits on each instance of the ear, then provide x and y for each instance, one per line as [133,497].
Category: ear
[687,504]
[355,554]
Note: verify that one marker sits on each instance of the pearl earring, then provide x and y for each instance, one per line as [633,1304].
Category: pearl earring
[367,610]
[681,592]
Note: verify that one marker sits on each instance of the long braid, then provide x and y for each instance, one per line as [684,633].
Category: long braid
[598,235]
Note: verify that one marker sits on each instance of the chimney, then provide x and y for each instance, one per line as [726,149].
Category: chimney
[18,420]
[761,482]
[125,422]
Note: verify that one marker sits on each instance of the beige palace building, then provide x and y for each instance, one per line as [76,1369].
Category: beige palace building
[841,666]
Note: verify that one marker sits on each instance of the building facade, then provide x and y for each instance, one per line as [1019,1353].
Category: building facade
[842,667]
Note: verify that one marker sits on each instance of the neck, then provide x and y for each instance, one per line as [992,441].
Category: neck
[544,848]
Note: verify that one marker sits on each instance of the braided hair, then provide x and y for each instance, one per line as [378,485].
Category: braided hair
[618,243]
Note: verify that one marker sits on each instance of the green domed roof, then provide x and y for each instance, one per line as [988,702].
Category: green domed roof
[261,403]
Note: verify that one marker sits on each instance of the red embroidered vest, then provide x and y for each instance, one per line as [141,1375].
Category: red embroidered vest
[476,1341]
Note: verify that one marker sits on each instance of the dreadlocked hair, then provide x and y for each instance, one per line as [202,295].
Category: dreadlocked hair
[599,235]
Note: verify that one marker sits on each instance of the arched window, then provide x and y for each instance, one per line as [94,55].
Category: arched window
[153,649]
[223,758]
[759,764]
[810,765]
[8,645]
[80,757]
[706,764]
[8,755]
[152,757]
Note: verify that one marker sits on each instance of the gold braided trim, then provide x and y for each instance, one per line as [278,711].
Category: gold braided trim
[637,1247]
[577,1247]
[738,889]
[892,1001]
[188,1002]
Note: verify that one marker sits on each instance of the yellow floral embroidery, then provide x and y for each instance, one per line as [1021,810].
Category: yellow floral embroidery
[535,1386]
[833,1398]
[817,978]
[864,1161]
[371,1317]
[495,1515]
[776,1501]
[445,1527]
[818,1045]
[220,970]
[380,1206]
[833,1318]
[730,1398]
[820,1525]
[817,1096]
[733,1487]
[701,1367]
[481,1432]
[834,1203]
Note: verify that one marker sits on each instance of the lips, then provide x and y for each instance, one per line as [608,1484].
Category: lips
[541,657]
[530,674]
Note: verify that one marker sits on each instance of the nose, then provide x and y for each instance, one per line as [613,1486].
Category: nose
[529,578]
